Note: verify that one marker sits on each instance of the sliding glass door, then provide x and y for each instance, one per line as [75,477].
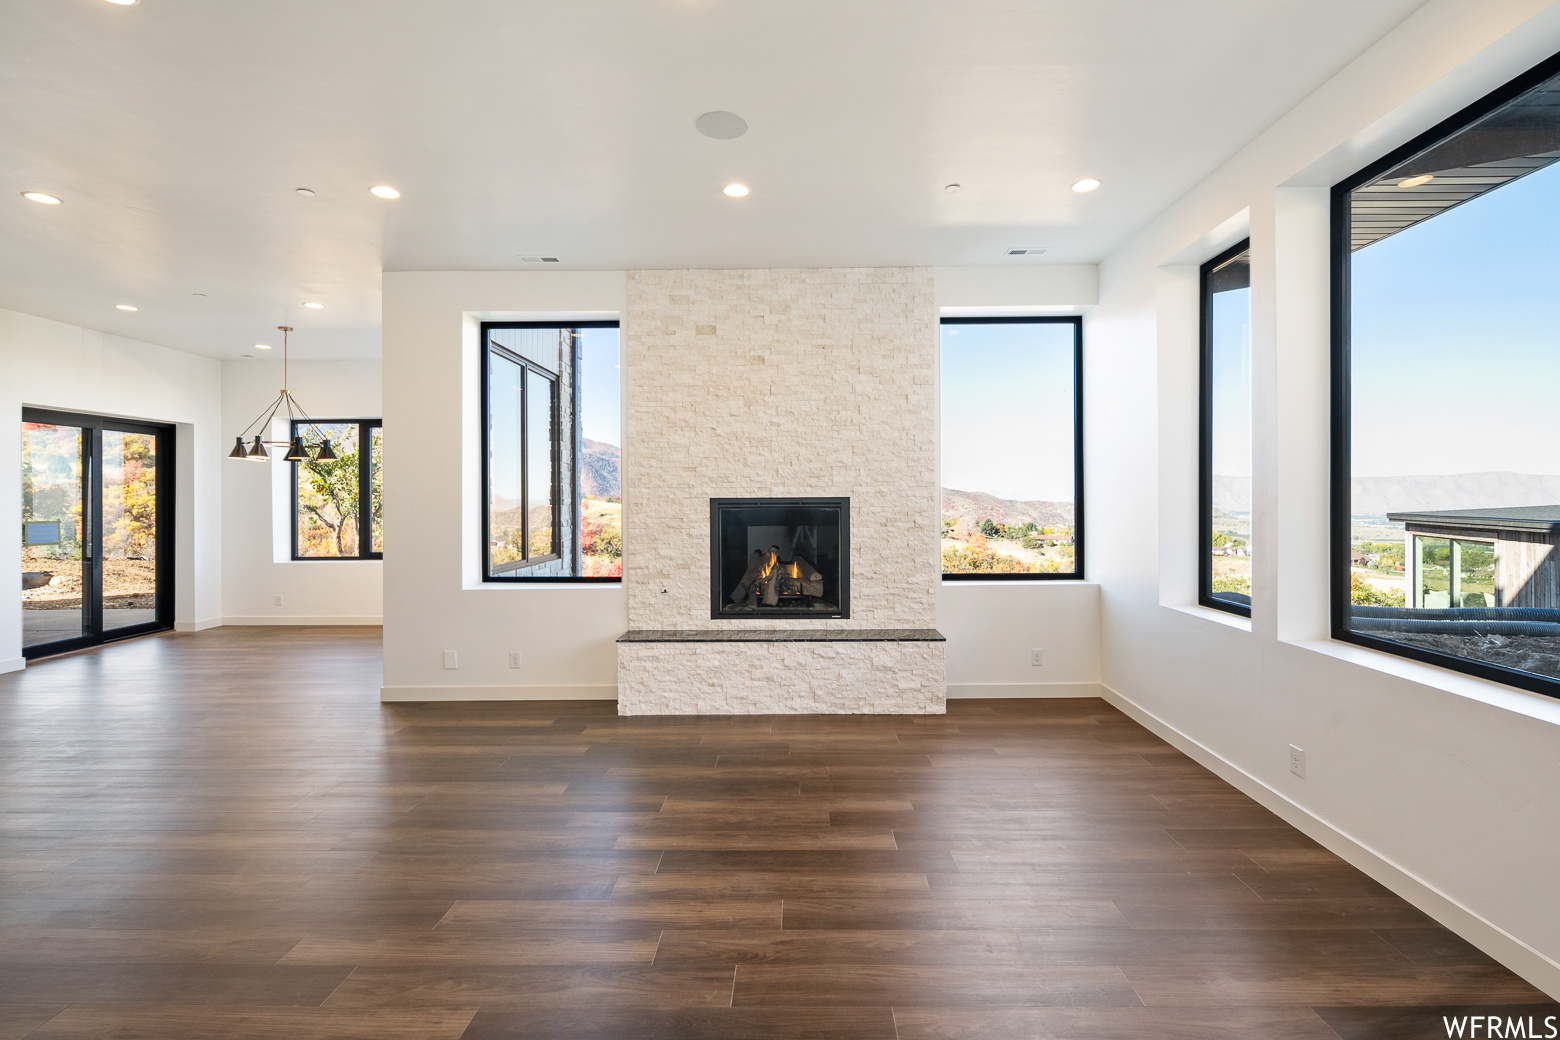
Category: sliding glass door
[96,530]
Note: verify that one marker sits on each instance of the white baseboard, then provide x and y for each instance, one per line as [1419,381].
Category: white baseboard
[283,619]
[197,626]
[497,693]
[1500,944]
[1021,689]
[15,664]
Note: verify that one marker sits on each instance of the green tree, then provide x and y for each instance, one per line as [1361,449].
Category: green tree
[328,495]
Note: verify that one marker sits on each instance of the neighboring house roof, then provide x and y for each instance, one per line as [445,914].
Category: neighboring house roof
[1544,519]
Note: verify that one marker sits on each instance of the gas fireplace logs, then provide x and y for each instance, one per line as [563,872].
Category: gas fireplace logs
[768,578]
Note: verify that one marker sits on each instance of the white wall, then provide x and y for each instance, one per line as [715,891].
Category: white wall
[256,502]
[433,595]
[993,626]
[434,598]
[1445,788]
[47,364]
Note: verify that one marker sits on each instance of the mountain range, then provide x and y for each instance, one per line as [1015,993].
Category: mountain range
[599,470]
[1378,496]
[977,505]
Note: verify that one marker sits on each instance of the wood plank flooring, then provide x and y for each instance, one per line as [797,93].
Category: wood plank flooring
[226,835]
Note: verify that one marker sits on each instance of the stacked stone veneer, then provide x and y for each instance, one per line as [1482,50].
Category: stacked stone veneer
[771,384]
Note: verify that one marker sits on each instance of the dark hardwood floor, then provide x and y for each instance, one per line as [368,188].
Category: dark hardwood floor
[226,835]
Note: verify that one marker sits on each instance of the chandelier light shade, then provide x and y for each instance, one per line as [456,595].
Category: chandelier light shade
[297,450]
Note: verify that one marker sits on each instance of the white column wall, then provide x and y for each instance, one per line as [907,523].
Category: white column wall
[47,364]
[1444,788]
[257,502]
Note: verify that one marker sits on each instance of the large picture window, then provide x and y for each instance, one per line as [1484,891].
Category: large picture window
[338,512]
[1225,433]
[1012,448]
[1446,482]
[553,502]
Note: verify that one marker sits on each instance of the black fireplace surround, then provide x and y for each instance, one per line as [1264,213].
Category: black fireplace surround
[779,558]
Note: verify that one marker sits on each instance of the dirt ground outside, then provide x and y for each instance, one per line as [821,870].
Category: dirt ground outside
[126,584]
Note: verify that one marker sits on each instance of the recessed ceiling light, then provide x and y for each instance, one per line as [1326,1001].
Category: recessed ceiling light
[723,126]
[126,307]
[125,3]
[315,306]
[384,191]
[736,191]
[539,260]
[38,196]
[1025,251]
[1087,184]
[1414,182]
[305,192]
[261,346]
[952,188]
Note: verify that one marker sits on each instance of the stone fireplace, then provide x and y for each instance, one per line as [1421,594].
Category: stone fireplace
[787,414]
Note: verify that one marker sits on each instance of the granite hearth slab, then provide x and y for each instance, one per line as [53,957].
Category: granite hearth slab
[784,635]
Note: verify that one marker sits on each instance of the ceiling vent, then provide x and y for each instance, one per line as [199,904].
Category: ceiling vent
[539,259]
[1024,252]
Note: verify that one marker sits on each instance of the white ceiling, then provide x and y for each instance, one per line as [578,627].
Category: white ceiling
[177,130]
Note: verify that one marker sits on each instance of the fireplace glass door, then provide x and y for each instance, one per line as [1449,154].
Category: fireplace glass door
[779,557]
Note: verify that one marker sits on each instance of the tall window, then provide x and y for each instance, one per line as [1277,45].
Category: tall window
[1225,468]
[1446,526]
[553,503]
[1012,448]
[337,509]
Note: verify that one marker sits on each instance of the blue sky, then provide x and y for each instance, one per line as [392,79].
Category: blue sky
[601,410]
[1456,339]
[1232,383]
[1007,410]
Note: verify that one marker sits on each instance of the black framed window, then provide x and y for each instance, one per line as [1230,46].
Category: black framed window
[1446,478]
[1224,448]
[552,506]
[337,507]
[1012,448]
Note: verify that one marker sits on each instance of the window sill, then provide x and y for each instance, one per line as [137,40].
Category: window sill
[966,583]
[1496,695]
[1221,617]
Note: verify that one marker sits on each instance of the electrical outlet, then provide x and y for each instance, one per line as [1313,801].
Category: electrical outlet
[1297,761]
[278,601]
[1037,658]
[451,659]
[514,659]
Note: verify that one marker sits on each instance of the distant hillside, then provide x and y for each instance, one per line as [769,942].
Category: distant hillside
[1378,496]
[1375,496]
[977,505]
[599,476]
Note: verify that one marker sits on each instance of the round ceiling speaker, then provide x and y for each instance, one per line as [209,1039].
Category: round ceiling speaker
[722,126]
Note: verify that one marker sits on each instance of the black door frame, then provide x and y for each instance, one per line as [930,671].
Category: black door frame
[92,427]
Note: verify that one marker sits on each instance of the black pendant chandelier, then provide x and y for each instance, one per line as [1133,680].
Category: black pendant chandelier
[297,451]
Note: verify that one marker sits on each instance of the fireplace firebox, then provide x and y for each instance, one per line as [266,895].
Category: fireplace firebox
[779,557]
